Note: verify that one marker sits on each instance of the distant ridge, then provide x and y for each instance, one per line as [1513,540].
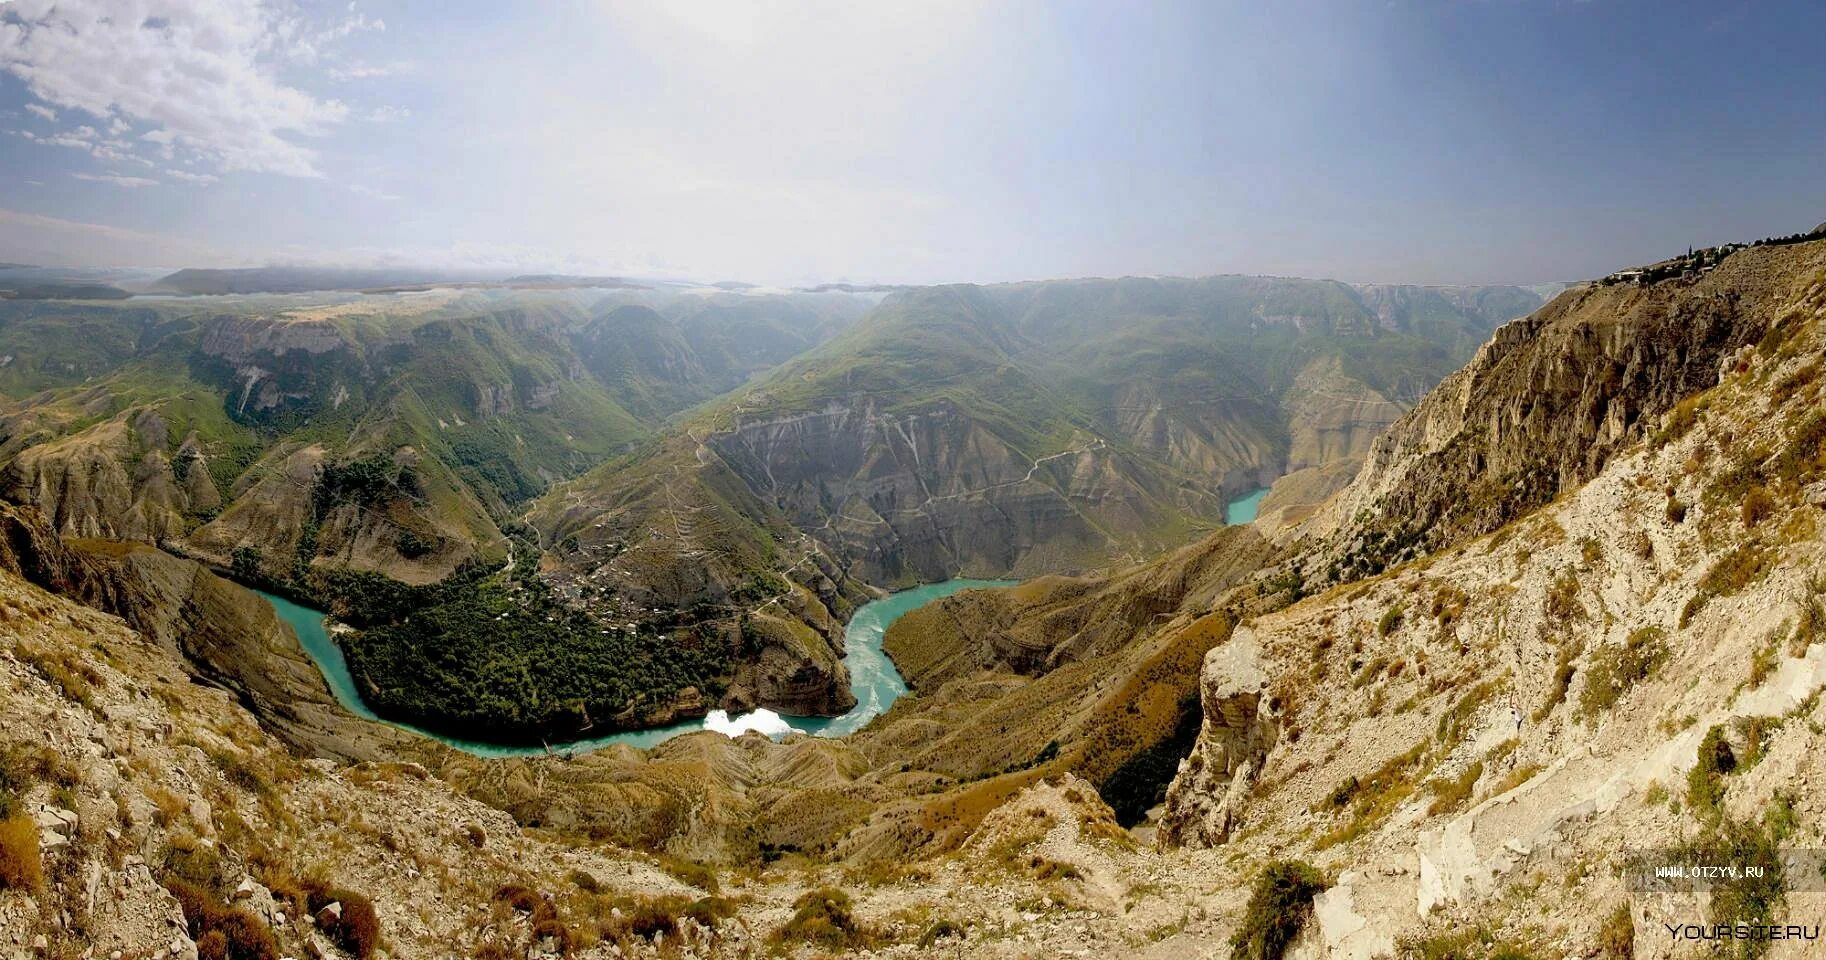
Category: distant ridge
[65,291]
[206,281]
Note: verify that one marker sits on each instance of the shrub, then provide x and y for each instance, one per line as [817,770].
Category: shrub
[411,545]
[1590,551]
[822,918]
[1520,774]
[518,896]
[642,917]
[1746,899]
[690,872]
[1764,659]
[1680,420]
[1705,784]
[358,930]
[14,779]
[1564,669]
[1617,935]
[1280,903]
[1757,506]
[193,861]
[21,865]
[1562,602]
[1734,571]
[1374,797]
[234,931]
[1756,732]
[242,772]
[1390,622]
[1456,722]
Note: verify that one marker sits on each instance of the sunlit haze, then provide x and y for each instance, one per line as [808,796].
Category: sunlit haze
[918,142]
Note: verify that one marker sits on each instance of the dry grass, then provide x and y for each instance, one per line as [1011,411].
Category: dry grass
[1450,794]
[1757,506]
[1514,778]
[1616,668]
[1734,571]
[1373,798]
[21,865]
[232,933]
[72,675]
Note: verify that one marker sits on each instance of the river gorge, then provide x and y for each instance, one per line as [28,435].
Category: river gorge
[874,679]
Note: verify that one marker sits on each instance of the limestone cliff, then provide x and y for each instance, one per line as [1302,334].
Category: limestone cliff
[1552,673]
[1547,402]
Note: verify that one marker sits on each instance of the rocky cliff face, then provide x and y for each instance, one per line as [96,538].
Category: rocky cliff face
[1238,728]
[226,634]
[1525,703]
[934,493]
[1552,397]
[123,478]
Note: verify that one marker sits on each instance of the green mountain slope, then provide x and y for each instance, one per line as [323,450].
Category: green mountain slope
[996,431]
[226,429]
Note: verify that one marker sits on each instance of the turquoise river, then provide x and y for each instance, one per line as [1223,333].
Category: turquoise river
[873,678]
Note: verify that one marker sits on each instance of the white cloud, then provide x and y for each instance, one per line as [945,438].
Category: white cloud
[116,179]
[386,114]
[343,73]
[189,177]
[87,138]
[374,192]
[43,111]
[204,73]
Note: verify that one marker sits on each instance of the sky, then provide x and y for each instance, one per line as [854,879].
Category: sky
[921,142]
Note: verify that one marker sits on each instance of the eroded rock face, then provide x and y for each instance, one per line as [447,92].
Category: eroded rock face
[1239,729]
[113,480]
[1547,402]
[228,636]
[1333,416]
[918,496]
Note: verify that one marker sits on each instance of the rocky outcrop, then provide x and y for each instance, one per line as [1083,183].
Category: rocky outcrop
[1546,403]
[228,636]
[1527,704]
[233,639]
[1238,730]
[796,672]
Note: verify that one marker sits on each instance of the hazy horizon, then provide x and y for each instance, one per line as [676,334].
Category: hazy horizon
[791,145]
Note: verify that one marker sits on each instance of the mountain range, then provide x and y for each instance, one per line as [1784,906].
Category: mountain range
[728,474]
[1566,603]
